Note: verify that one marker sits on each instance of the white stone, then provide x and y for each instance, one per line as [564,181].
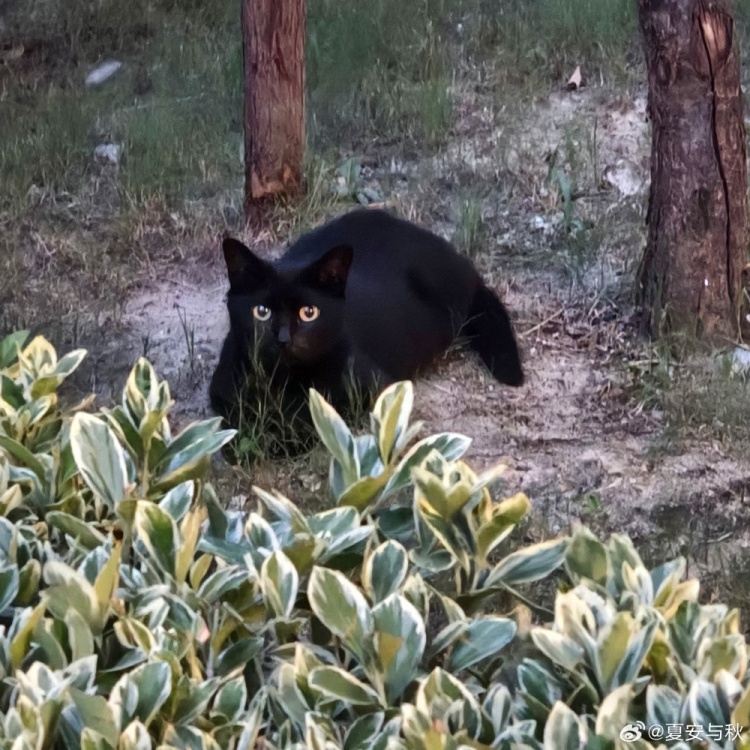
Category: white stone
[740,360]
[108,151]
[103,72]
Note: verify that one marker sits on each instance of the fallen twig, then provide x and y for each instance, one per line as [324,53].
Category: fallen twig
[544,322]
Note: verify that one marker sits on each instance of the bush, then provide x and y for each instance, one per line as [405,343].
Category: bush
[138,612]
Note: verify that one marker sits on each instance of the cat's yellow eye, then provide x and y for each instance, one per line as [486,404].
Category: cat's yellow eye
[261,312]
[308,314]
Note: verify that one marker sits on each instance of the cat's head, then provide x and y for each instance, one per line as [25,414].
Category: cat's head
[296,315]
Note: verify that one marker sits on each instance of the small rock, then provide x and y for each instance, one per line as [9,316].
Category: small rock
[108,151]
[103,72]
[369,195]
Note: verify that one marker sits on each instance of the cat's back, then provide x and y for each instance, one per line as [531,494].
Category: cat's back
[383,244]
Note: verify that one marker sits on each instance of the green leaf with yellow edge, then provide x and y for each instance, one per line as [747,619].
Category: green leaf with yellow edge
[447,501]
[483,639]
[613,644]
[703,703]
[158,532]
[198,571]
[21,633]
[141,393]
[178,500]
[22,454]
[505,516]
[342,608]
[11,499]
[100,458]
[9,585]
[614,712]
[727,652]
[28,583]
[337,684]
[563,729]
[279,582]
[685,591]
[132,633]
[638,649]
[69,363]
[364,731]
[85,533]
[449,445]
[80,637]
[390,416]
[638,581]
[529,564]
[9,347]
[384,570]
[400,640]
[362,493]
[96,715]
[38,357]
[190,530]
[663,705]
[140,693]
[335,435]
[230,699]
[283,509]
[190,451]
[665,577]
[445,531]
[563,651]
[67,588]
[588,558]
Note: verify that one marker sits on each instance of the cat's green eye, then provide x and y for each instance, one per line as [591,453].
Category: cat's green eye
[261,312]
[308,314]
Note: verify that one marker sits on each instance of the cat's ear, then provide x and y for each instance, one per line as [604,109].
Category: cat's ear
[331,271]
[244,268]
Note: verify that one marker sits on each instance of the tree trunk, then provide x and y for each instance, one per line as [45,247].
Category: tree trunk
[274,89]
[690,277]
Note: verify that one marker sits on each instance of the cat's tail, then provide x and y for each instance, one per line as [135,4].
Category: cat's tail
[490,333]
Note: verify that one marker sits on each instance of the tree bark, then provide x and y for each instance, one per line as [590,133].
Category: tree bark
[690,278]
[274,90]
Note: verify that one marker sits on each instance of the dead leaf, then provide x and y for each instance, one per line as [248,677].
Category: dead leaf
[574,82]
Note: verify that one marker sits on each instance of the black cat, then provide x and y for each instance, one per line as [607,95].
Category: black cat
[366,299]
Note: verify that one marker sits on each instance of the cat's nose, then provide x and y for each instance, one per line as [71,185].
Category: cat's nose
[284,336]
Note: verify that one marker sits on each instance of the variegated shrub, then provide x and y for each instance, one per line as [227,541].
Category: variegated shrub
[136,611]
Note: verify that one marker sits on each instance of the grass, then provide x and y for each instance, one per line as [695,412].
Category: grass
[700,393]
[175,107]
[470,228]
[382,70]
[535,44]
[275,425]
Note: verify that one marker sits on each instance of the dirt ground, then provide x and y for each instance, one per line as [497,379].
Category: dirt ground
[575,438]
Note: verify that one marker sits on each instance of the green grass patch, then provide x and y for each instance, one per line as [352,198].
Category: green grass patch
[700,392]
[538,42]
[174,109]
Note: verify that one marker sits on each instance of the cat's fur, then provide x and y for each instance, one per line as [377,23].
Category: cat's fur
[392,297]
